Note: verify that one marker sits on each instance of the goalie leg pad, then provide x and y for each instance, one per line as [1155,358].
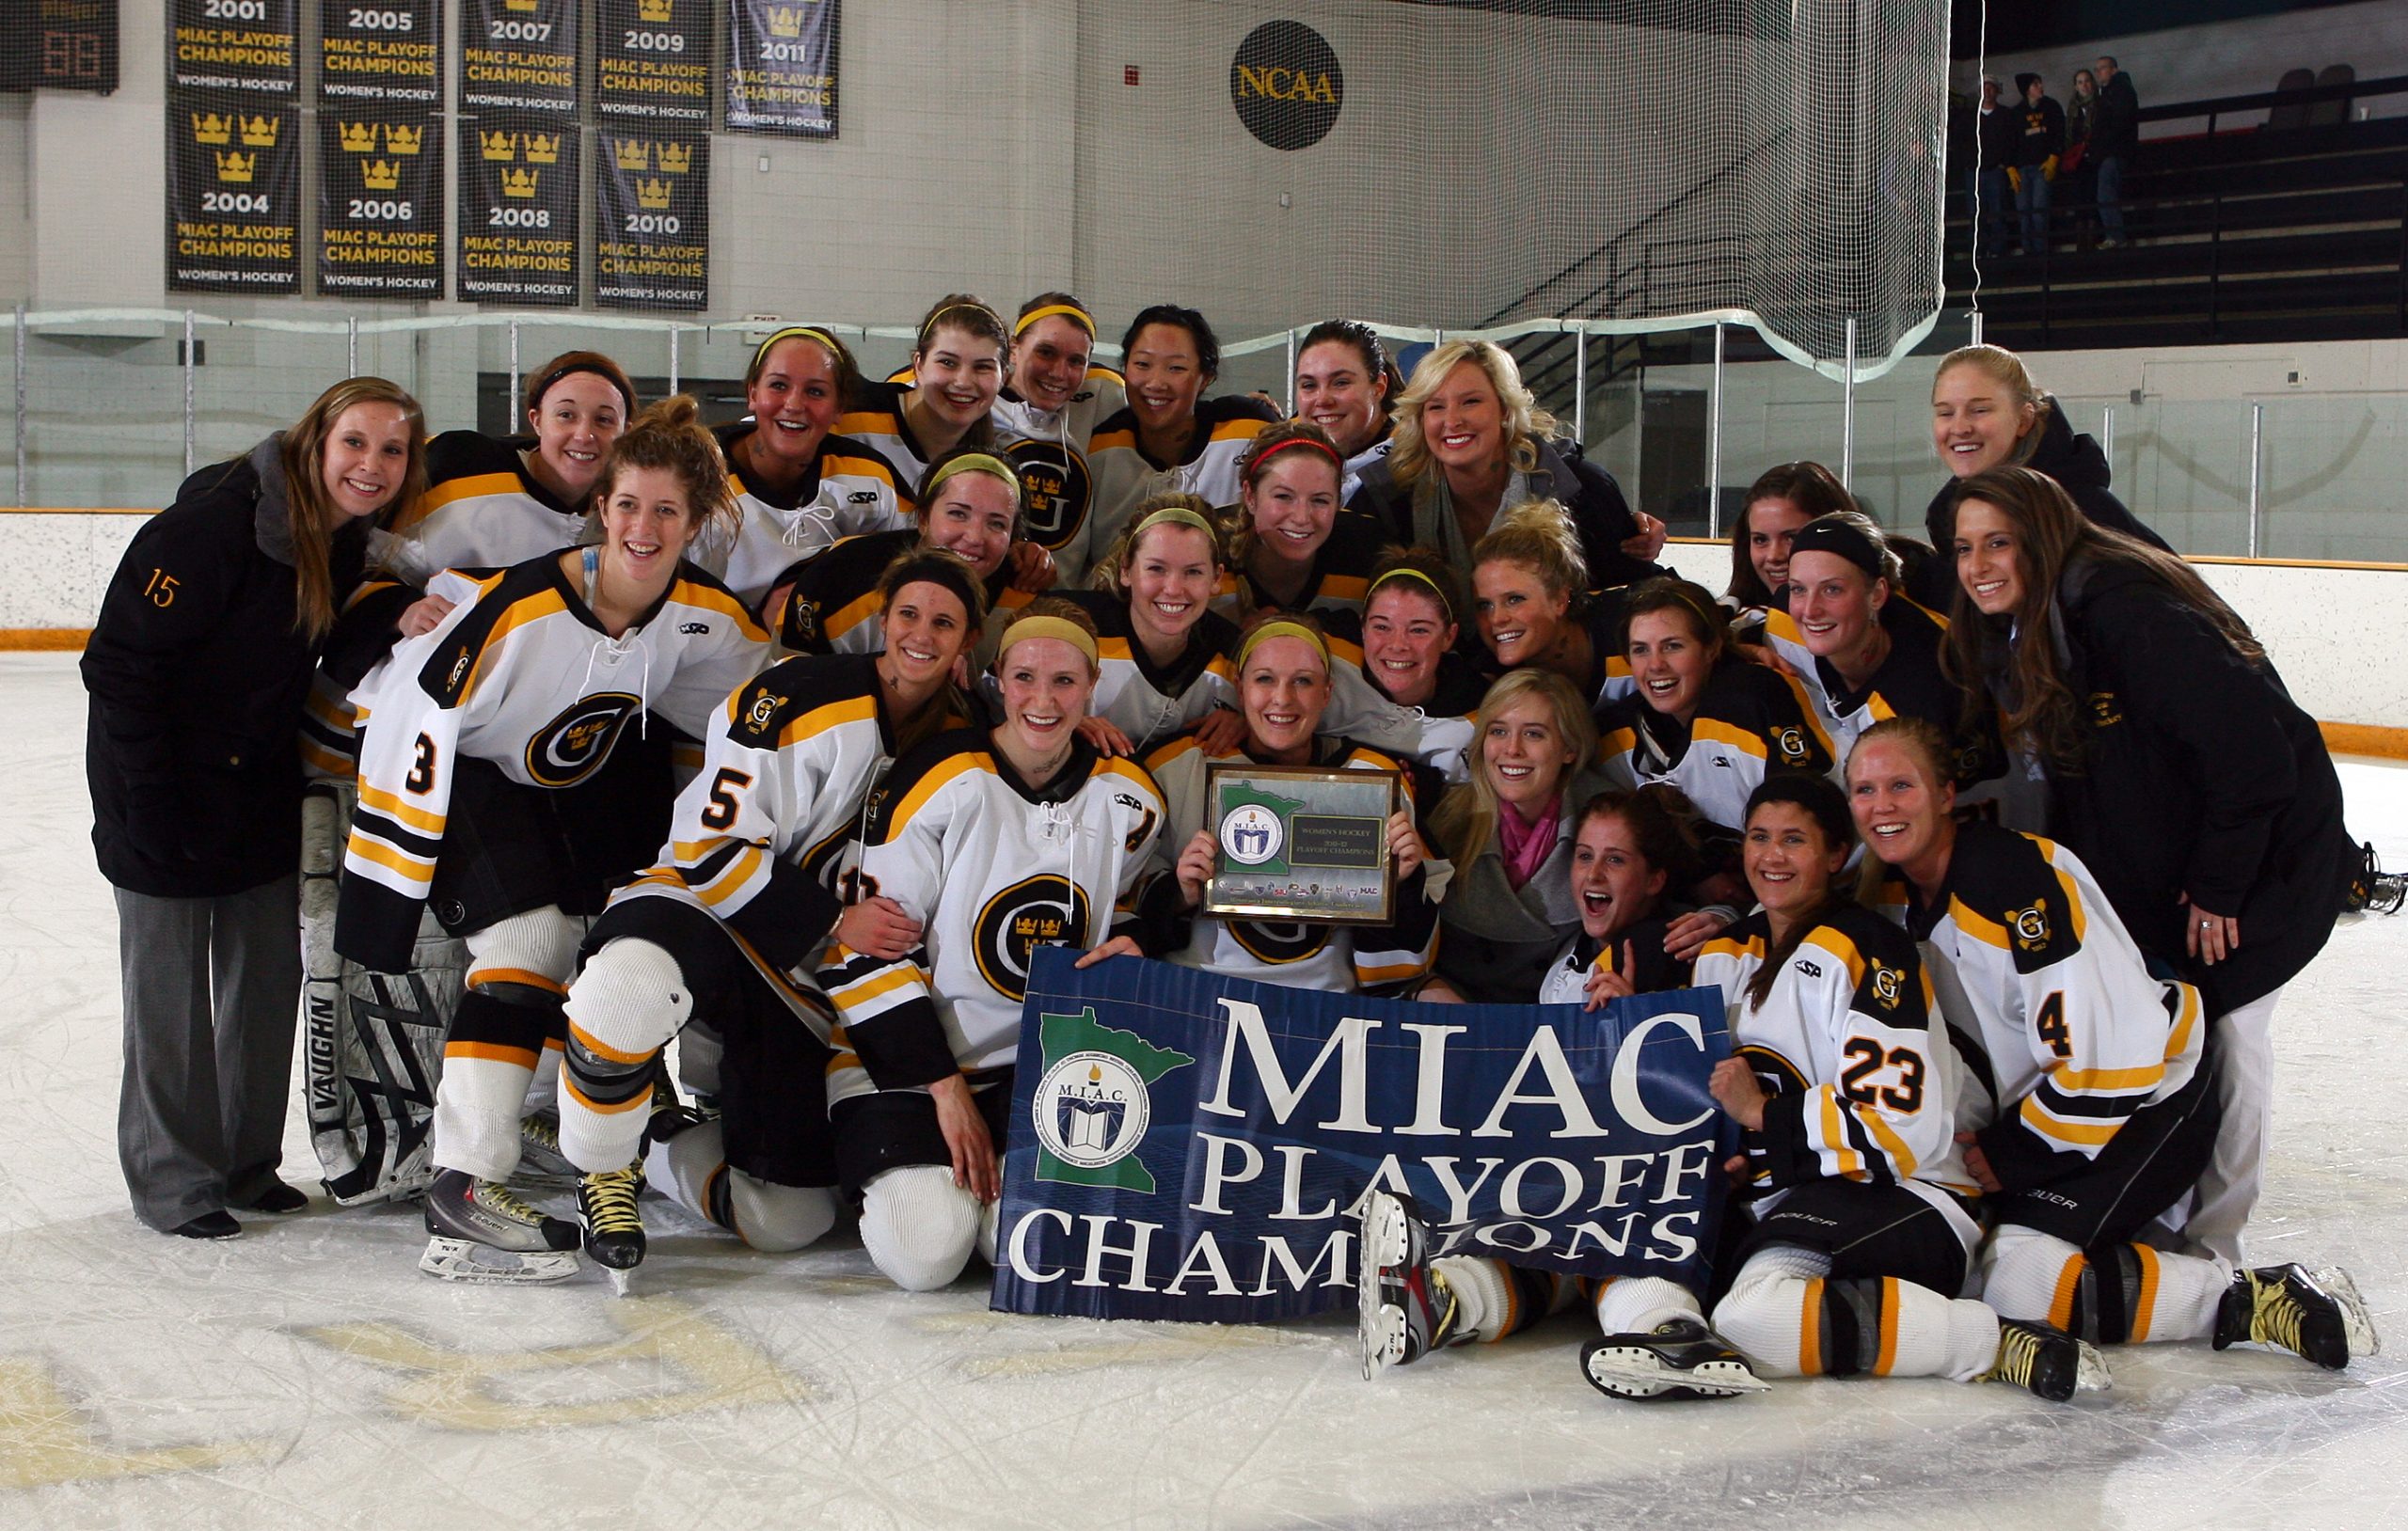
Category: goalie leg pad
[623,1008]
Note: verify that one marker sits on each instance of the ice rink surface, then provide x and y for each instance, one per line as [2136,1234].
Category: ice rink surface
[305,1374]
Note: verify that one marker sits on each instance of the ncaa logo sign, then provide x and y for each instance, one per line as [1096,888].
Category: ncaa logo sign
[1286,84]
[566,750]
[1252,834]
[1091,1109]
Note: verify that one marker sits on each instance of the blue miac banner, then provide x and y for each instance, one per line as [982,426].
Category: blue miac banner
[1185,1146]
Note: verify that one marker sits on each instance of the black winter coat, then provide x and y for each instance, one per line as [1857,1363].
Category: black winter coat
[197,679]
[1588,491]
[2079,467]
[2116,127]
[2200,777]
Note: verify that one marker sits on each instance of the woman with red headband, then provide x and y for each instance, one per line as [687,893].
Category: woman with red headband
[1299,550]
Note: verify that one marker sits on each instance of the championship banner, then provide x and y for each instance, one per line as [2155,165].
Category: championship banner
[653,60]
[1189,1146]
[60,45]
[233,194]
[380,202]
[249,45]
[652,233]
[518,56]
[517,211]
[386,51]
[782,66]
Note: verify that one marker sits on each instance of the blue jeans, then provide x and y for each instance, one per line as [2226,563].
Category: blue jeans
[2111,196]
[2032,201]
[1991,197]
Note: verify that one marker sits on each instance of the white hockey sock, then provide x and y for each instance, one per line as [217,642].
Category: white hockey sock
[1483,1290]
[682,1168]
[1637,1305]
[918,1226]
[1774,1303]
[2146,1294]
[622,1009]
[477,1107]
[544,1094]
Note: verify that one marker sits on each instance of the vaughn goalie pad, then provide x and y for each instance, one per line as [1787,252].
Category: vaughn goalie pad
[373,1041]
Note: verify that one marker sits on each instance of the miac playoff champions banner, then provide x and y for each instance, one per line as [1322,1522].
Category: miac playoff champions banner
[1190,1146]
[517,239]
[782,66]
[233,194]
[651,229]
[518,56]
[382,51]
[251,45]
[653,60]
[380,201]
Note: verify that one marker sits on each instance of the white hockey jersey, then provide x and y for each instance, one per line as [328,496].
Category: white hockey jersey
[1301,955]
[835,607]
[1124,476]
[852,490]
[2075,1034]
[1864,1083]
[482,509]
[992,868]
[1636,950]
[1749,721]
[1049,449]
[524,678]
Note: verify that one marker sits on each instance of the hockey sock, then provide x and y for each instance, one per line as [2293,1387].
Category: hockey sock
[622,1009]
[691,1169]
[488,1059]
[1635,1304]
[1494,1300]
[1789,1318]
[918,1226]
[2111,1294]
[545,1093]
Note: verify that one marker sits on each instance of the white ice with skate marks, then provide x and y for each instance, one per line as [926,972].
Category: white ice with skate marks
[305,1374]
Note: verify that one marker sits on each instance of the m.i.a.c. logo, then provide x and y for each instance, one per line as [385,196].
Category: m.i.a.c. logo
[1094,1101]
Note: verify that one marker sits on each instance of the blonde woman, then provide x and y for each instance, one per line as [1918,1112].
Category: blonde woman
[1469,442]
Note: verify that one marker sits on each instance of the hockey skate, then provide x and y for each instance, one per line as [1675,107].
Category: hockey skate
[2373,891]
[2044,1360]
[2316,1314]
[540,1163]
[481,1231]
[1403,1309]
[606,1205]
[1679,1359]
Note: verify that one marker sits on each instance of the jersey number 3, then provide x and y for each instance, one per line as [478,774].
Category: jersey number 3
[1867,1059]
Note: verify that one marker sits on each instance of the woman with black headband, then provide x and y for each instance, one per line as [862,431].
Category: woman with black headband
[1869,653]
[943,399]
[798,485]
[1052,402]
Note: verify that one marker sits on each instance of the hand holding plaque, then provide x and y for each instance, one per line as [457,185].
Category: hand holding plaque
[1300,843]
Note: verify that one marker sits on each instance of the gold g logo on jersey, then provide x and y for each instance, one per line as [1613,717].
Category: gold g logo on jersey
[1887,985]
[1792,743]
[2031,927]
[763,712]
[1043,910]
[567,749]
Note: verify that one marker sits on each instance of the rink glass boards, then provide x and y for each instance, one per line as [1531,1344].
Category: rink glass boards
[1300,843]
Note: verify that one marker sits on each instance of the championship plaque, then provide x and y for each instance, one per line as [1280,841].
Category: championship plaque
[1300,843]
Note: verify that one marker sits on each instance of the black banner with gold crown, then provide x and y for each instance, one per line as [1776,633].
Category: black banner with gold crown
[58,45]
[653,60]
[380,202]
[517,239]
[518,56]
[251,45]
[652,229]
[233,194]
[782,66]
[386,50]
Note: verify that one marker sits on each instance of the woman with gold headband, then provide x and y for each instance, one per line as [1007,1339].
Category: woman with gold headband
[1165,651]
[1283,667]
[968,505]
[942,399]
[1407,635]
[996,841]
[800,485]
[1052,402]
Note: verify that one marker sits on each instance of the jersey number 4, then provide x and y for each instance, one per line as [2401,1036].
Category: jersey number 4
[1866,1058]
[2050,1023]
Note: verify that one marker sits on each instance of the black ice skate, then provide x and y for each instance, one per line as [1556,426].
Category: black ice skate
[2044,1360]
[1403,1309]
[481,1231]
[1678,1359]
[2316,1314]
[606,1205]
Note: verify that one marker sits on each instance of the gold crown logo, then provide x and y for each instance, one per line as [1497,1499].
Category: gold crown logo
[358,138]
[402,139]
[498,146]
[785,20]
[653,10]
[260,131]
[676,158]
[543,149]
[380,175]
[209,128]
[236,168]
[519,182]
[652,193]
[633,153]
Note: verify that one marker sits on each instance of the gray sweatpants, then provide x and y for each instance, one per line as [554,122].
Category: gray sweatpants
[211,991]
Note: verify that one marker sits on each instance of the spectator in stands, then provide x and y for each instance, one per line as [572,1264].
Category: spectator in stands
[1987,413]
[2114,134]
[1471,441]
[2039,138]
[2075,171]
[1995,137]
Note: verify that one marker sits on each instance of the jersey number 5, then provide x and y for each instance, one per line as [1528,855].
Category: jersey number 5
[1905,1097]
[721,812]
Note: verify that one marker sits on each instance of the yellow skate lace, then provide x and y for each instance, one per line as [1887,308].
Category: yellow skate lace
[609,1201]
